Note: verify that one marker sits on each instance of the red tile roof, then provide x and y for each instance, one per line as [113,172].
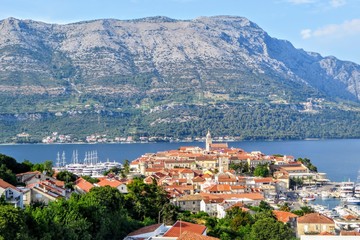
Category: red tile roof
[109,182]
[219,188]
[181,226]
[283,216]
[83,184]
[194,236]
[147,229]
[5,185]
[315,218]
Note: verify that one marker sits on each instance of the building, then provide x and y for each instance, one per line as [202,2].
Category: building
[189,203]
[314,224]
[12,194]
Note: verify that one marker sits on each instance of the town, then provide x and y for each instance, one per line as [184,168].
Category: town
[210,180]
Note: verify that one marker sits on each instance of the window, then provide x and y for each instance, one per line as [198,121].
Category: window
[183,203]
[193,202]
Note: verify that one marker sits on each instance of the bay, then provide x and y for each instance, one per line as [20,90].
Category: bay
[339,158]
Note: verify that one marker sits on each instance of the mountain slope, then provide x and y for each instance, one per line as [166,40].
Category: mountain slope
[159,72]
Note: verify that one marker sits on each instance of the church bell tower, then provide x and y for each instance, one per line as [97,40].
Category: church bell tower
[208,141]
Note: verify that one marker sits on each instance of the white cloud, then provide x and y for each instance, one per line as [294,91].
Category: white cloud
[344,29]
[305,33]
[337,3]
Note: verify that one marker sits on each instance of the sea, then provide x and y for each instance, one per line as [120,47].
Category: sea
[339,158]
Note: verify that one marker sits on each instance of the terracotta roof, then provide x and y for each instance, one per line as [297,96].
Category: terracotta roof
[350,217]
[194,236]
[263,180]
[213,200]
[234,187]
[219,188]
[109,182]
[147,229]
[26,173]
[182,226]
[283,216]
[315,218]
[5,185]
[186,171]
[346,233]
[194,197]
[83,184]
[198,179]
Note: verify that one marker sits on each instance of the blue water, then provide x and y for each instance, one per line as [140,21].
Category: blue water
[339,158]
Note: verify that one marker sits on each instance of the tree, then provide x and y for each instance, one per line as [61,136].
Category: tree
[285,207]
[240,168]
[12,223]
[7,175]
[270,229]
[145,200]
[48,165]
[308,164]
[126,166]
[66,176]
[91,179]
[261,170]
[303,210]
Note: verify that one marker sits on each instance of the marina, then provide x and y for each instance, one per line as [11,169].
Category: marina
[89,166]
[337,200]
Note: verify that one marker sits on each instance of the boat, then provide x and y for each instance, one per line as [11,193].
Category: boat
[325,194]
[357,186]
[352,201]
[347,189]
[89,167]
[309,198]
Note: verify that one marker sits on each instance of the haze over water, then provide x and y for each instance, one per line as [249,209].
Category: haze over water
[339,158]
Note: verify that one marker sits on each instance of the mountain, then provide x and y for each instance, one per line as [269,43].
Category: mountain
[158,76]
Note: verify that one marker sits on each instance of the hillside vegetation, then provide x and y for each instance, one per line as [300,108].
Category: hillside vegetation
[164,77]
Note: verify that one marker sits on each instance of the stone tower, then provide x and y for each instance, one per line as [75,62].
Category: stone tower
[142,168]
[208,141]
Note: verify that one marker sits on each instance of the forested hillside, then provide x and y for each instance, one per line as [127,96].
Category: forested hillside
[165,77]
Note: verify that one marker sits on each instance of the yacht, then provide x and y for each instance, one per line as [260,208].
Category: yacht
[90,166]
[352,200]
[347,189]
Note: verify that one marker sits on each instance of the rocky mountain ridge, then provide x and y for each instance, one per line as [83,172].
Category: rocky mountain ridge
[143,66]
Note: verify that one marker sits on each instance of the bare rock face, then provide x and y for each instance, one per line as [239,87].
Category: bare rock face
[210,54]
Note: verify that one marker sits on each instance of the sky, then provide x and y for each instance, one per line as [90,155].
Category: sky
[328,27]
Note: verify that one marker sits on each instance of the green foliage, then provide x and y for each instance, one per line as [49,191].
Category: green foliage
[145,200]
[240,168]
[114,170]
[285,207]
[261,170]
[100,214]
[15,167]
[295,182]
[68,177]
[12,223]
[91,179]
[126,166]
[308,164]
[270,229]
[7,175]
[303,210]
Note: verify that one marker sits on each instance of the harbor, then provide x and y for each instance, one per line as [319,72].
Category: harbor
[339,201]
[89,166]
